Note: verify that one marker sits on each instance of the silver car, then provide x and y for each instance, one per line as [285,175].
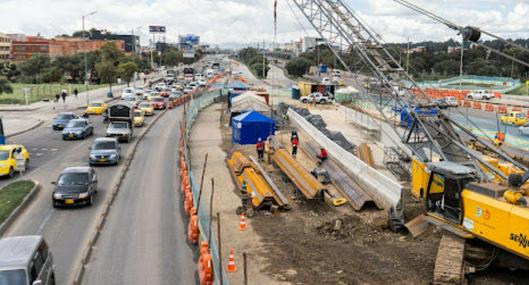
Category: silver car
[120,130]
[26,260]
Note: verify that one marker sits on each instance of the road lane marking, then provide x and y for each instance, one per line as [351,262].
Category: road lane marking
[39,154]
[43,224]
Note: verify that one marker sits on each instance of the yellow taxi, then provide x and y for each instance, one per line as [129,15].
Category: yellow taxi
[9,154]
[139,118]
[514,118]
[96,108]
[147,108]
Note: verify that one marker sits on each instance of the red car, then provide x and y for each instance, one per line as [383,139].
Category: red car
[159,103]
[165,93]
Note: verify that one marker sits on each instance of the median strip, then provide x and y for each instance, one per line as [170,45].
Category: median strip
[14,197]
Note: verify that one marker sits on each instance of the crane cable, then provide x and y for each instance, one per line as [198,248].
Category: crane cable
[468,32]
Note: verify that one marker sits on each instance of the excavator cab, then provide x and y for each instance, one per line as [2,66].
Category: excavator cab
[443,190]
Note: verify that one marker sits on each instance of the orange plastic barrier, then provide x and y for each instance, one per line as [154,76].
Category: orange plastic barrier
[502,109]
[188,202]
[516,109]
[466,104]
[193,230]
[489,108]
[476,105]
[205,265]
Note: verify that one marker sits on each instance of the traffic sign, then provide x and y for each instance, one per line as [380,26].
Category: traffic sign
[156,29]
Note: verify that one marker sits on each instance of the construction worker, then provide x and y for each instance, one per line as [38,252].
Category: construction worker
[260,146]
[499,139]
[323,154]
[269,149]
[295,142]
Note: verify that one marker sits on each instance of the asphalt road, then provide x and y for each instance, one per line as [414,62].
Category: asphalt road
[144,239]
[66,230]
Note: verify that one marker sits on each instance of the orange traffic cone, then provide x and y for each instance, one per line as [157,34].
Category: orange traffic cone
[231,262]
[242,224]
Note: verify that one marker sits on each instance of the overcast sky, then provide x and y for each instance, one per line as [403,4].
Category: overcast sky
[248,21]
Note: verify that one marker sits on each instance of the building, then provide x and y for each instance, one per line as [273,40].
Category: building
[25,49]
[5,47]
[29,46]
[70,46]
[309,43]
[131,42]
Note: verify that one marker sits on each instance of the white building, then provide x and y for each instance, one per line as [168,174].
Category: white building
[5,47]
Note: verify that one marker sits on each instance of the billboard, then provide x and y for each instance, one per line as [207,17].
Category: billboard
[156,29]
[189,53]
[189,39]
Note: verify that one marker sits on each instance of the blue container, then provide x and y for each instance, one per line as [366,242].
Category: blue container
[295,93]
[323,68]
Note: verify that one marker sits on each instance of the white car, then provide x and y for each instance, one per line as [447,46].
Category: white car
[127,91]
[316,97]
[202,82]
[480,95]
[325,80]
[450,101]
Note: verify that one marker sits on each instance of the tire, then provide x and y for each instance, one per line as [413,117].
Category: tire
[470,97]
[26,164]
[11,173]
[52,279]
[91,201]
[304,101]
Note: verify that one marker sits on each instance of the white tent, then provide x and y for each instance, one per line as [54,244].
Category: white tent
[246,95]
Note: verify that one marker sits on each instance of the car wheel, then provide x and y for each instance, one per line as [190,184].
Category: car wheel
[11,172]
[304,101]
[26,164]
[52,279]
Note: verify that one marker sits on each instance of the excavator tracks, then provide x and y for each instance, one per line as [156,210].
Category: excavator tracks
[449,264]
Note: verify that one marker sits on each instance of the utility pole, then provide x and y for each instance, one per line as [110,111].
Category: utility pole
[264,61]
[461,64]
[408,57]
[86,59]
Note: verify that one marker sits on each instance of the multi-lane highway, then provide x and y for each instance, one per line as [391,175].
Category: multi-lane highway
[144,241]
[66,230]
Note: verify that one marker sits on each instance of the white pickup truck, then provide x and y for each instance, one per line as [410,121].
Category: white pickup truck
[480,95]
[316,97]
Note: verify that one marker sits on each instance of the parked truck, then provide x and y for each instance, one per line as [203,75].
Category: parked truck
[121,118]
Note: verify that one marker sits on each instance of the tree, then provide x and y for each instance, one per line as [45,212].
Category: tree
[111,53]
[107,72]
[31,69]
[126,71]
[5,87]
[258,69]
[172,57]
[298,66]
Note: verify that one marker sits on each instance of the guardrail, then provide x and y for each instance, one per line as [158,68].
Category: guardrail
[192,110]
[383,189]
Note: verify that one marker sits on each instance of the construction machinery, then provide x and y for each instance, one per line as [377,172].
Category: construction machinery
[487,220]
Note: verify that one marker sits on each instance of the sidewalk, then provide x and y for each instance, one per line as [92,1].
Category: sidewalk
[206,137]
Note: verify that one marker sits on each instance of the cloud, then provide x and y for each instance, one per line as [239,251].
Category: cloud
[250,21]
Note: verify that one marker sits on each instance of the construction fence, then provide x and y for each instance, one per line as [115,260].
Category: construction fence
[192,109]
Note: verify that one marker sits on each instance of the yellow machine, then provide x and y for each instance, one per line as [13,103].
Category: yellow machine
[490,212]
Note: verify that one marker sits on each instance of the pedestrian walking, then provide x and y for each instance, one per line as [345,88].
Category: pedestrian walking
[75,92]
[294,135]
[295,142]
[63,95]
[260,146]
[323,154]
[57,97]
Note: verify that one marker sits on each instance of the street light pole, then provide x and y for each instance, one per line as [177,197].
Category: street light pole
[86,60]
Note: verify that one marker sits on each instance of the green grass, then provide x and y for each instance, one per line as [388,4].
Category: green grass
[40,92]
[522,90]
[473,84]
[12,195]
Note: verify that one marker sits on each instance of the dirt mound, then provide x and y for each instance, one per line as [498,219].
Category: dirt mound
[351,227]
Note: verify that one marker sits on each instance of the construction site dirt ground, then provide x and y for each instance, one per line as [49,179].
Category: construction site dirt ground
[314,242]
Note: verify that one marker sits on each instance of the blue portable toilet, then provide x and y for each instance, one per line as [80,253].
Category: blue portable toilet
[248,127]
[323,68]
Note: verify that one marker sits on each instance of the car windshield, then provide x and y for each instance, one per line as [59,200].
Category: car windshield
[73,179]
[137,114]
[520,116]
[75,124]
[104,145]
[95,104]
[119,125]
[145,105]
[65,116]
[13,277]
[4,155]
[157,99]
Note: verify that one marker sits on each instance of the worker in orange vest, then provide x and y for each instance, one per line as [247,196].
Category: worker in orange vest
[499,138]
[260,146]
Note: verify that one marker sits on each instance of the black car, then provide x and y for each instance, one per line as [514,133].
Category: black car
[75,186]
